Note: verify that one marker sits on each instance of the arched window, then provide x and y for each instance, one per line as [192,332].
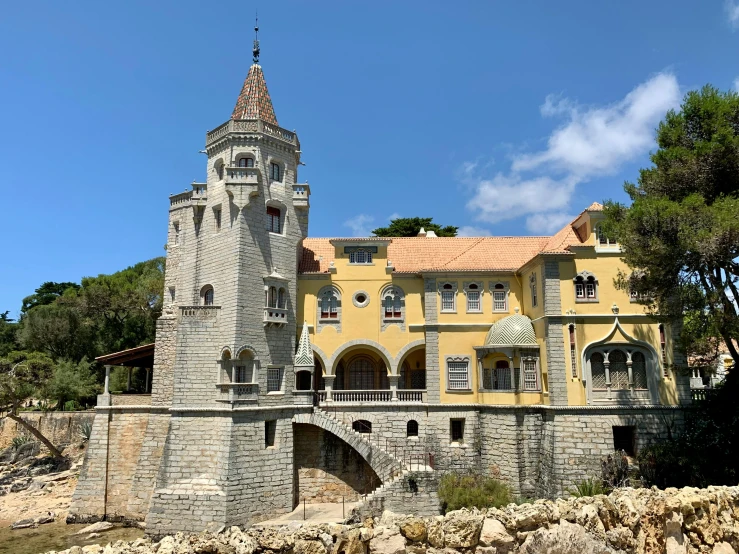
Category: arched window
[281,298]
[602,239]
[573,351]
[273,220]
[598,371]
[207,295]
[411,428]
[639,370]
[272,299]
[502,376]
[500,298]
[448,298]
[361,374]
[360,256]
[303,380]
[329,304]
[393,303]
[362,426]
[275,172]
[219,169]
[244,368]
[472,291]
[246,162]
[619,370]
[586,287]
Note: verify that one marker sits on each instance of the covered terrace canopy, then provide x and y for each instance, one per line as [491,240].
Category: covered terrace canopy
[138,357]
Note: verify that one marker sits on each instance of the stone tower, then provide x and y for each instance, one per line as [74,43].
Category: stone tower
[226,343]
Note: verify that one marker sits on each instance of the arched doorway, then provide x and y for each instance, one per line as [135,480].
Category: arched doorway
[362,370]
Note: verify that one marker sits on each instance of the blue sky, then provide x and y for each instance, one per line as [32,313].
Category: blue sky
[499,117]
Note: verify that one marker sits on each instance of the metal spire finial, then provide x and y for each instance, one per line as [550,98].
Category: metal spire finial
[255,50]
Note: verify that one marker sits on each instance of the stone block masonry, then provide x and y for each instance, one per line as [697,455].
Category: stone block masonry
[59,427]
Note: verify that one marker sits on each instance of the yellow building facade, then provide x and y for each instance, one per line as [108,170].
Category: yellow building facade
[510,321]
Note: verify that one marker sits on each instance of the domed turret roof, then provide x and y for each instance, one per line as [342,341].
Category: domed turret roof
[514,330]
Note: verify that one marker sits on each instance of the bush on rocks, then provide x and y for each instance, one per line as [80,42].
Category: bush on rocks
[471,490]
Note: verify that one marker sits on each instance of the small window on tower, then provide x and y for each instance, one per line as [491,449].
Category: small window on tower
[275,172]
[217,218]
[273,220]
[246,162]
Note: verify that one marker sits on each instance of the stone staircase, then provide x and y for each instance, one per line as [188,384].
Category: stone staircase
[384,464]
[399,478]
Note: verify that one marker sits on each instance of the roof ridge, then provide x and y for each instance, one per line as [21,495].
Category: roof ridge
[478,241]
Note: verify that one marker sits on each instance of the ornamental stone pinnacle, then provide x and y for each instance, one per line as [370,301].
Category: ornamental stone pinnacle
[304,355]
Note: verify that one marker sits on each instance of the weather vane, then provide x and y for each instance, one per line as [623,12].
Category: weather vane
[255,50]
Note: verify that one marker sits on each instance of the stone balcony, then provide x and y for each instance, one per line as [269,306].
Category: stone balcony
[197,197]
[414,396]
[238,392]
[301,196]
[250,126]
[275,316]
[242,183]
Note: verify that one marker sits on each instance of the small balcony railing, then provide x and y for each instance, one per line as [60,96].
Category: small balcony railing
[239,392]
[275,316]
[242,175]
[352,396]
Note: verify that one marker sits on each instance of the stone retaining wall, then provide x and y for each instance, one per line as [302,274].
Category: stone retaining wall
[59,427]
[628,521]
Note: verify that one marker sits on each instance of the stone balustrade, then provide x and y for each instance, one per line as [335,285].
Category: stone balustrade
[275,316]
[238,392]
[198,312]
[250,126]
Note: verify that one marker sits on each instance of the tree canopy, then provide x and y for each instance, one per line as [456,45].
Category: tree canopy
[680,235]
[410,226]
[47,293]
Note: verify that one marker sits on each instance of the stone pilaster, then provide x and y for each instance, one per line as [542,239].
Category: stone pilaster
[431,313]
[556,364]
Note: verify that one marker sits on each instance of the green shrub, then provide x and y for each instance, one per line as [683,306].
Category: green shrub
[472,491]
[85,430]
[71,406]
[616,471]
[588,487]
[20,440]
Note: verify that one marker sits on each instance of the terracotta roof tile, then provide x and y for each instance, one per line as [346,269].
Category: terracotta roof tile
[254,101]
[416,254]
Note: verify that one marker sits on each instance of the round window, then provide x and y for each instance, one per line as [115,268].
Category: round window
[360,299]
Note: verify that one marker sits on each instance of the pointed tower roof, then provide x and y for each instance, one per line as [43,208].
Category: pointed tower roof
[304,355]
[254,101]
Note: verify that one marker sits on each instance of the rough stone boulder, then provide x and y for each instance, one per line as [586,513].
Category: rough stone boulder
[462,529]
[494,534]
[414,529]
[386,540]
[564,538]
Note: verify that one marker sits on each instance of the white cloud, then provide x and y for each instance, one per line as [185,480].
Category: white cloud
[592,141]
[360,225]
[597,141]
[547,223]
[470,231]
[394,215]
[736,84]
[732,11]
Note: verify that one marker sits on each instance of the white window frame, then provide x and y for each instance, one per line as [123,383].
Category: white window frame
[470,294]
[397,297]
[451,293]
[275,374]
[585,287]
[271,219]
[505,291]
[458,374]
[530,366]
[360,257]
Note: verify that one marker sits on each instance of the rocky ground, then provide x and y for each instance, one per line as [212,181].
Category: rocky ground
[34,488]
[639,521]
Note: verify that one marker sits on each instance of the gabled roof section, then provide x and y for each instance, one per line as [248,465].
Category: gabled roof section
[566,237]
[254,101]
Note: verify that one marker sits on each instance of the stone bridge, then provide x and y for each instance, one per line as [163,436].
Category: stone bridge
[386,466]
